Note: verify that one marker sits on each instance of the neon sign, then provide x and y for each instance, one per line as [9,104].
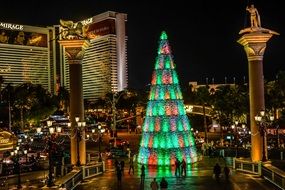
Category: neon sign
[11,26]
[87,21]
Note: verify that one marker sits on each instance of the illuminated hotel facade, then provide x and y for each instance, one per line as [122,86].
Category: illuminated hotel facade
[104,65]
[32,54]
[25,55]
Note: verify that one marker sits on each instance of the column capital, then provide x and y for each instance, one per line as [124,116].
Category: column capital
[74,49]
[254,44]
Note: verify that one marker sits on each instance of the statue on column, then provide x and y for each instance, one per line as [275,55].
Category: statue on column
[255,22]
[71,30]
[254,16]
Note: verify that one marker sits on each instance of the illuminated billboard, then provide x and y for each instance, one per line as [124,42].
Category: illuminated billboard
[101,28]
[19,37]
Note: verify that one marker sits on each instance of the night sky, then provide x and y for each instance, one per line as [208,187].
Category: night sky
[202,34]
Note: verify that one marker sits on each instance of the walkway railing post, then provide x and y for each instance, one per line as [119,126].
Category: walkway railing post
[259,168]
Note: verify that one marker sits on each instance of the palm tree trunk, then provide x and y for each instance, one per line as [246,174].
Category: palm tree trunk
[22,118]
[205,123]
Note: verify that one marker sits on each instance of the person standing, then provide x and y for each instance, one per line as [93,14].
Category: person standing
[142,174]
[177,167]
[217,172]
[119,175]
[154,184]
[227,172]
[131,165]
[116,163]
[163,184]
[122,166]
[183,167]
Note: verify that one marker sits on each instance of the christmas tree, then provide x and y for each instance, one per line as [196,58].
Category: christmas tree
[166,129]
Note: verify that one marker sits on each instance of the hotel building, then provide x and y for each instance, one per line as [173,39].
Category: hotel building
[104,66]
[32,54]
[25,55]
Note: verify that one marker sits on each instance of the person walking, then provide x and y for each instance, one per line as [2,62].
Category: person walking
[163,184]
[119,174]
[142,174]
[116,162]
[154,184]
[122,166]
[227,172]
[131,166]
[217,172]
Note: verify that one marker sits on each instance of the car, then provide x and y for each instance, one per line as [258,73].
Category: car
[115,153]
[119,142]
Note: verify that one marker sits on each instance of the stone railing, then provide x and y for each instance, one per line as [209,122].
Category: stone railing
[264,170]
[75,177]
[93,170]
[245,165]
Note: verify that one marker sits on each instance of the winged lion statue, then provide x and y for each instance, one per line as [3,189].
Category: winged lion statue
[72,30]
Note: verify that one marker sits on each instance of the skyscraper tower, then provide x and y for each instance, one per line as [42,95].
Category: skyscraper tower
[104,65]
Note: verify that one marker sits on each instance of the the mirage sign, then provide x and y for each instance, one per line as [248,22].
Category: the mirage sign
[11,26]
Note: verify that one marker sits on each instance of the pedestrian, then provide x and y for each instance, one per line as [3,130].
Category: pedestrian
[131,165]
[217,172]
[183,167]
[119,175]
[116,163]
[154,184]
[163,184]
[227,172]
[177,167]
[142,174]
[122,166]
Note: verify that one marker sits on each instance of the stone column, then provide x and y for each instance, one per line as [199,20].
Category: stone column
[254,44]
[74,51]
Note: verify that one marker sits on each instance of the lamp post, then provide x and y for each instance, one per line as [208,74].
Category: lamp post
[100,131]
[16,157]
[79,126]
[235,131]
[263,120]
[28,141]
[50,151]
[18,167]
[113,102]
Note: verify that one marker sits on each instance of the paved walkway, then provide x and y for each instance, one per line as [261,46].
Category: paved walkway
[199,177]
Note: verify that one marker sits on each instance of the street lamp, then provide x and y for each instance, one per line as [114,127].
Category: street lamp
[78,128]
[235,131]
[52,130]
[16,158]
[263,120]
[100,131]
[113,102]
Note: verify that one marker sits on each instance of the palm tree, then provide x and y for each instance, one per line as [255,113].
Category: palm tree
[44,104]
[24,99]
[223,104]
[33,102]
[8,97]
[275,93]
[203,97]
